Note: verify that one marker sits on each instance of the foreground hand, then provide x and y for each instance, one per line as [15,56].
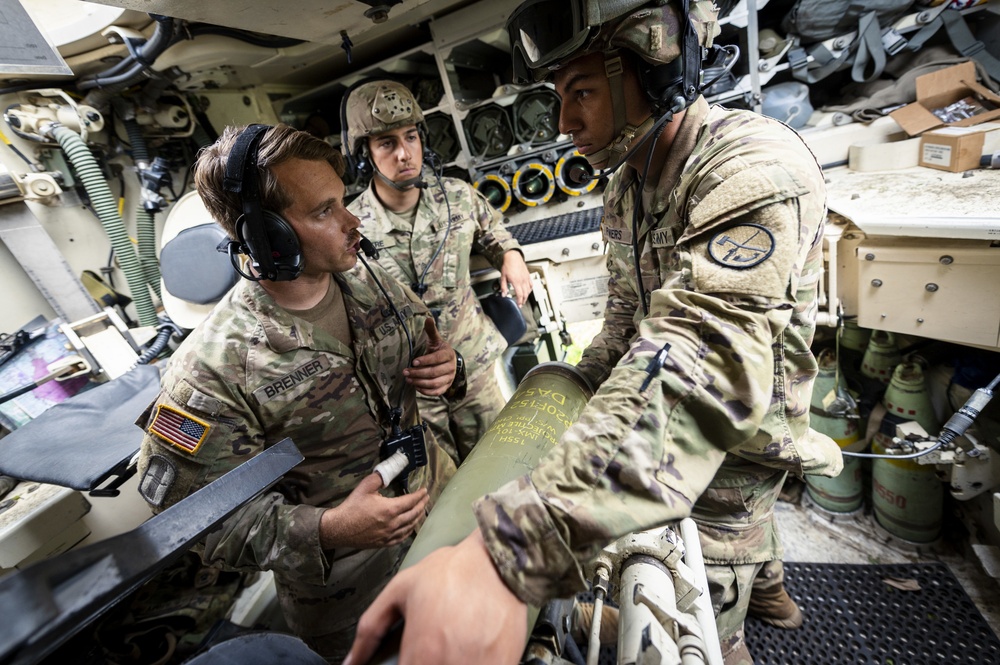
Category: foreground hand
[366,519]
[432,373]
[457,611]
[515,272]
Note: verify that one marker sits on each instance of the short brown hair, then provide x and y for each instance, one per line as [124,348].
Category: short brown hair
[279,144]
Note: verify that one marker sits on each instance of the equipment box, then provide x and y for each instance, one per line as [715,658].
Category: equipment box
[931,287]
[943,88]
[954,149]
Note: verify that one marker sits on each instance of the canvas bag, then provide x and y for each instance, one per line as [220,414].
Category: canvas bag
[824,29]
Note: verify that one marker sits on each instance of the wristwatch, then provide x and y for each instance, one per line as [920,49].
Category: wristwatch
[459,385]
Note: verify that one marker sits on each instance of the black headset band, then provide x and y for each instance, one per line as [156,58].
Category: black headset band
[241,177]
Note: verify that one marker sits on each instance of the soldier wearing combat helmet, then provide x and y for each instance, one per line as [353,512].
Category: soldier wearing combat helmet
[713,222]
[425,228]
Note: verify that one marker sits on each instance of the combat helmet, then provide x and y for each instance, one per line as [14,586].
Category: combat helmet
[374,108]
[547,34]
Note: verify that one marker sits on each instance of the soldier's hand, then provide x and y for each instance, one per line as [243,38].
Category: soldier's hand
[515,272]
[366,519]
[457,610]
[432,373]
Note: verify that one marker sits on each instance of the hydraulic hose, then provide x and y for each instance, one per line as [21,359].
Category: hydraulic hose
[145,226]
[106,87]
[145,233]
[201,137]
[104,204]
[140,155]
[163,333]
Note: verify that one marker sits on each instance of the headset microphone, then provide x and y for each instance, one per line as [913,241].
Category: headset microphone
[403,185]
[368,247]
[578,175]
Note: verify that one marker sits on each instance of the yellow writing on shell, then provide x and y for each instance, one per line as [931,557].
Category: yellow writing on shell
[532,420]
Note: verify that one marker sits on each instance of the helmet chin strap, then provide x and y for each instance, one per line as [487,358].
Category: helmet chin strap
[402,186]
[626,134]
[616,151]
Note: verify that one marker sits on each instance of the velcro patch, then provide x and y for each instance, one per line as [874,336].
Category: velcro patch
[296,377]
[618,235]
[741,192]
[199,401]
[662,237]
[391,322]
[742,246]
[158,479]
[382,243]
[753,257]
[179,429]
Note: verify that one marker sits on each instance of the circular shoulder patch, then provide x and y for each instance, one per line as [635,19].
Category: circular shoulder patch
[741,246]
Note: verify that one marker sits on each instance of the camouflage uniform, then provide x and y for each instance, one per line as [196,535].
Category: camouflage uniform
[249,376]
[731,258]
[405,251]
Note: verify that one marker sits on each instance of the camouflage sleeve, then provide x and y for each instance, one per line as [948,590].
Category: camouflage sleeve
[266,533]
[611,343]
[492,239]
[636,458]
[639,457]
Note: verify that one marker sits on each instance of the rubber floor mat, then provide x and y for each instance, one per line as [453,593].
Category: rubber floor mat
[857,614]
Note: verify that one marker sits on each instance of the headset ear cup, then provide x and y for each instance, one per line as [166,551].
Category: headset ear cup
[364,168]
[286,251]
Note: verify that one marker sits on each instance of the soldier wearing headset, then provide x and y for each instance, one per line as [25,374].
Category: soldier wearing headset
[714,221]
[425,227]
[312,347]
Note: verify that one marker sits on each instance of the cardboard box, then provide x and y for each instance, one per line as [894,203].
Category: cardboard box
[941,88]
[957,149]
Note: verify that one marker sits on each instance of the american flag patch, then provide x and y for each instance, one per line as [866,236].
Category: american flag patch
[179,429]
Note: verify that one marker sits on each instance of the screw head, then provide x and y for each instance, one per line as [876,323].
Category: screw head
[946,260]
[932,287]
[869,257]
[876,283]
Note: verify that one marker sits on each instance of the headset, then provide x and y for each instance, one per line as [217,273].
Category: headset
[265,236]
[359,167]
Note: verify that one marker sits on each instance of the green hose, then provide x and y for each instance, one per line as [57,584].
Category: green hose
[145,233]
[106,207]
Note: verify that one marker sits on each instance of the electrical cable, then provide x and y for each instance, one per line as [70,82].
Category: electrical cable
[266,41]
[635,220]
[369,249]
[433,160]
[954,428]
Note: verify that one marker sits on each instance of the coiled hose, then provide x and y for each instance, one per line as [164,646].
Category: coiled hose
[145,227]
[105,206]
[163,333]
[145,234]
